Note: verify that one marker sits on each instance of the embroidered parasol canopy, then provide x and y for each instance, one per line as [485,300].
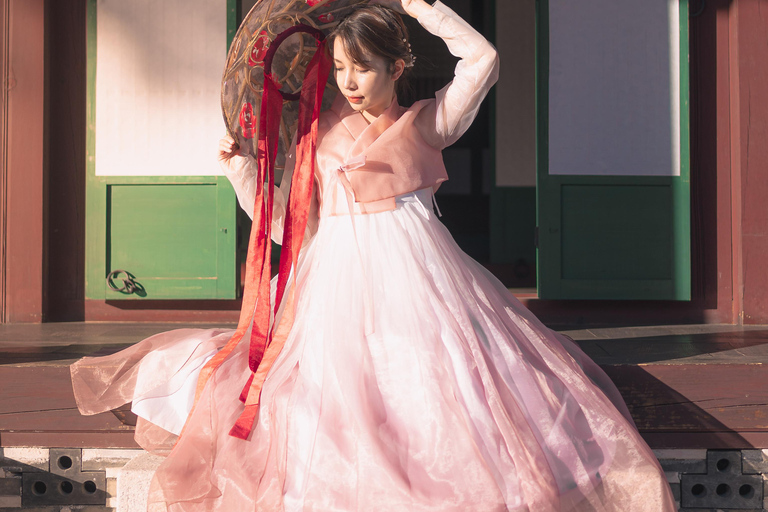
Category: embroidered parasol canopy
[242,84]
[274,85]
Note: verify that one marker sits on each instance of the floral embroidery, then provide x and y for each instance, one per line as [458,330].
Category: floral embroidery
[247,121]
[259,49]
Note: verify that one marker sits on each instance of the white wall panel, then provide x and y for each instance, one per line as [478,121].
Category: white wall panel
[158,83]
[614,101]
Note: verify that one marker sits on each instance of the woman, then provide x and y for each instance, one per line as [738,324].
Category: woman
[410,380]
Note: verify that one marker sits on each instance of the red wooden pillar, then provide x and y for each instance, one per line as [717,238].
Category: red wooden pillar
[730,95]
[4,24]
[720,197]
[749,124]
[23,141]
[711,204]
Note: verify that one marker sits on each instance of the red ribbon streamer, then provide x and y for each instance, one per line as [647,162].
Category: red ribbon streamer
[267,339]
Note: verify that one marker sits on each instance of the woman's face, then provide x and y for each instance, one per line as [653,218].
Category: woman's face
[368,89]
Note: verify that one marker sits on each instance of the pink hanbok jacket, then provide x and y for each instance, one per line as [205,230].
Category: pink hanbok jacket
[366,166]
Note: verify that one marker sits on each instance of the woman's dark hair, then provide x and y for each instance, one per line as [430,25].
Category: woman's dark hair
[375,30]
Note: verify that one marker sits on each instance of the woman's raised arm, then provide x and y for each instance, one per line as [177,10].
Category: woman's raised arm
[455,106]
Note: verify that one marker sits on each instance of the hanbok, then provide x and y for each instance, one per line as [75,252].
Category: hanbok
[411,379]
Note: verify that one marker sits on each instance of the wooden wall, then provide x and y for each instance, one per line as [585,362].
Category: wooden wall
[42,180]
[42,138]
[4,29]
[23,60]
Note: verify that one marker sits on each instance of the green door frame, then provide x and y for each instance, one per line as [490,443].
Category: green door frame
[98,192]
[552,283]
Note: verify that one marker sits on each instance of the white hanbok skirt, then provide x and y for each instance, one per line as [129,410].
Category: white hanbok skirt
[411,380]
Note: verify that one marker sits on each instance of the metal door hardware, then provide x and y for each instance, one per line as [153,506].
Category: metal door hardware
[130,285]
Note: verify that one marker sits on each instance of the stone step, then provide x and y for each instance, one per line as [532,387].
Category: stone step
[695,475]
[133,482]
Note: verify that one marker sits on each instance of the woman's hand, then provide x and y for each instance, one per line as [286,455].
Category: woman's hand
[411,7]
[228,149]
[395,5]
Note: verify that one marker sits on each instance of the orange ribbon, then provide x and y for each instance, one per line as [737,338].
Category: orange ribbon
[268,339]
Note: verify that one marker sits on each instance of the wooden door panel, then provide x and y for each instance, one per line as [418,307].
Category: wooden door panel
[613,233]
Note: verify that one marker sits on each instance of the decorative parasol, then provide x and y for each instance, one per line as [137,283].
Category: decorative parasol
[242,83]
[274,85]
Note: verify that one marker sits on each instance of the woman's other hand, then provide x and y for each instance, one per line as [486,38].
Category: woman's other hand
[411,7]
[395,5]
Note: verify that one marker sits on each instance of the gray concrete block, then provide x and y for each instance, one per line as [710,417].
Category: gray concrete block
[690,466]
[106,458]
[765,491]
[682,460]
[133,482]
[65,462]
[721,510]
[675,491]
[754,461]
[65,484]
[10,502]
[723,486]
[34,509]
[25,457]
[10,486]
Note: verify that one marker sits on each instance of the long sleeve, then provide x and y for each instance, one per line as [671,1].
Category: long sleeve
[456,105]
[242,173]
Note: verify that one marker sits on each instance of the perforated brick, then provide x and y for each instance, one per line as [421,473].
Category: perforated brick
[65,483]
[724,486]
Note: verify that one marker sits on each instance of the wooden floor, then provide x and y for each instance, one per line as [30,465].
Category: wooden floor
[37,407]
[687,386]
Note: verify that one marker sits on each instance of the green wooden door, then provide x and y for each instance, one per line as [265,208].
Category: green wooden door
[614,235]
[176,234]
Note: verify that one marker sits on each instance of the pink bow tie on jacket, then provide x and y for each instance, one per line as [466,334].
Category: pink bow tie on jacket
[354,163]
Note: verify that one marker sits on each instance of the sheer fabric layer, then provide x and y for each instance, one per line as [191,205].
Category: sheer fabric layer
[458,400]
